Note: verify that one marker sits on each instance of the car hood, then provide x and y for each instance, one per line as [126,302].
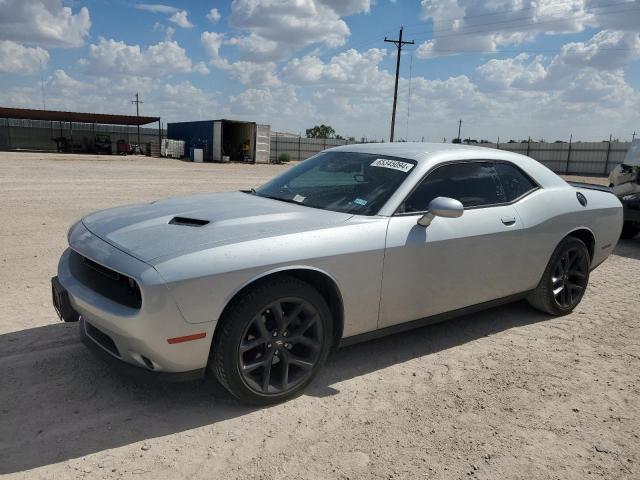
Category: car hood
[145,232]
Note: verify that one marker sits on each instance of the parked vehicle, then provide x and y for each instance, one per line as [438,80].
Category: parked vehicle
[356,242]
[624,179]
[102,144]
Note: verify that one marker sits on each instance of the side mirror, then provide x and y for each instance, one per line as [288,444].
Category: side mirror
[441,207]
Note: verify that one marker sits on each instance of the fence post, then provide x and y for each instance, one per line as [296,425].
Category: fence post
[8,134]
[566,169]
[299,142]
[606,162]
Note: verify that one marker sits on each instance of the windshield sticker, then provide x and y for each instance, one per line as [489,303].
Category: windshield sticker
[299,198]
[393,164]
[360,201]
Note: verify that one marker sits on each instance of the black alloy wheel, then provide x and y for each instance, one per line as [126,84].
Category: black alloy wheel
[565,278]
[570,276]
[272,340]
[281,346]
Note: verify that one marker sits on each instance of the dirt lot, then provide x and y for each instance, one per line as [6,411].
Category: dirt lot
[508,393]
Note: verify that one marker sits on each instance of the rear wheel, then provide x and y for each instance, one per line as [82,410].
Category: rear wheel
[272,341]
[564,280]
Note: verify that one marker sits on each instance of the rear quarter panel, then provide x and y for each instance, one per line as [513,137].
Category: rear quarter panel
[550,214]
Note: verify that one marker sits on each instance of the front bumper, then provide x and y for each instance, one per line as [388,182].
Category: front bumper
[136,336]
[131,370]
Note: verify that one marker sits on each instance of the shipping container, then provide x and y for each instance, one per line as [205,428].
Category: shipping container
[240,141]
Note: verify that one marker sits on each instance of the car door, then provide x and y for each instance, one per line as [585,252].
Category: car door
[454,262]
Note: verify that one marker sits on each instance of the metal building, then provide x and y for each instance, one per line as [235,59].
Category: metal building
[225,140]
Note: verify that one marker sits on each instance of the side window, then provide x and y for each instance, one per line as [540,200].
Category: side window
[514,182]
[475,184]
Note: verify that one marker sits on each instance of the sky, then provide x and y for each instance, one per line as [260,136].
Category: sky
[512,69]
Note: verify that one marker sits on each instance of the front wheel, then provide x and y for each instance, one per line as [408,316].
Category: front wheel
[564,280]
[272,341]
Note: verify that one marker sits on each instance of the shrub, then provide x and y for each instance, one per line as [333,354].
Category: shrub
[284,158]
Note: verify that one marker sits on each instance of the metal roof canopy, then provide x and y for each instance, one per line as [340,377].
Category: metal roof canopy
[77,117]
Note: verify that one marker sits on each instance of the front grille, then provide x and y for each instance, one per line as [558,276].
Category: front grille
[108,283]
[102,339]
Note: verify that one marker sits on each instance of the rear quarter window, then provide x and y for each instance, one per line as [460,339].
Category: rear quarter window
[515,183]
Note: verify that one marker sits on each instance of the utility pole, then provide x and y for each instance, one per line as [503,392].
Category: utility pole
[137,101]
[459,128]
[398,43]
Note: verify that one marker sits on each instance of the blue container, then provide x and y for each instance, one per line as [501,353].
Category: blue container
[195,135]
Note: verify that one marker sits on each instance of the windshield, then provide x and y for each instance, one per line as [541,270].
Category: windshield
[348,182]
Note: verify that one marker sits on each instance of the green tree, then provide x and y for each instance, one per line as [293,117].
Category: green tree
[321,131]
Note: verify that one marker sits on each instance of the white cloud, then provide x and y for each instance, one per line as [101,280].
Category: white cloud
[212,41]
[184,101]
[109,57]
[348,7]
[168,31]
[513,72]
[180,19]
[463,26]
[607,51]
[213,16]
[46,23]
[247,72]
[356,70]
[156,8]
[289,24]
[16,58]
[256,48]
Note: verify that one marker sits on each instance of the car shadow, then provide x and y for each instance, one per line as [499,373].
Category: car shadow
[628,248]
[59,402]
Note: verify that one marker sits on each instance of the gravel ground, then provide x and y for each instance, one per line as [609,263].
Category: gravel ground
[507,393]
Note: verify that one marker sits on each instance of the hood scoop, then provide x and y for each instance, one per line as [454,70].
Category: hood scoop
[188,222]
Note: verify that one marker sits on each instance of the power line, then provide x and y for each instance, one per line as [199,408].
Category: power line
[398,43]
[504,12]
[471,31]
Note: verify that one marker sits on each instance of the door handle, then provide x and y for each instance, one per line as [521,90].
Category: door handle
[508,220]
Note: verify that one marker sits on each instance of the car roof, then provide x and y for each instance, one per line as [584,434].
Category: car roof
[418,151]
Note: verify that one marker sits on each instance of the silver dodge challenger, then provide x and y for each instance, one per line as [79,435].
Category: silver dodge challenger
[356,242]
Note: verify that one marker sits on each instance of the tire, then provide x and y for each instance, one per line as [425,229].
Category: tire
[629,230]
[271,341]
[564,280]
